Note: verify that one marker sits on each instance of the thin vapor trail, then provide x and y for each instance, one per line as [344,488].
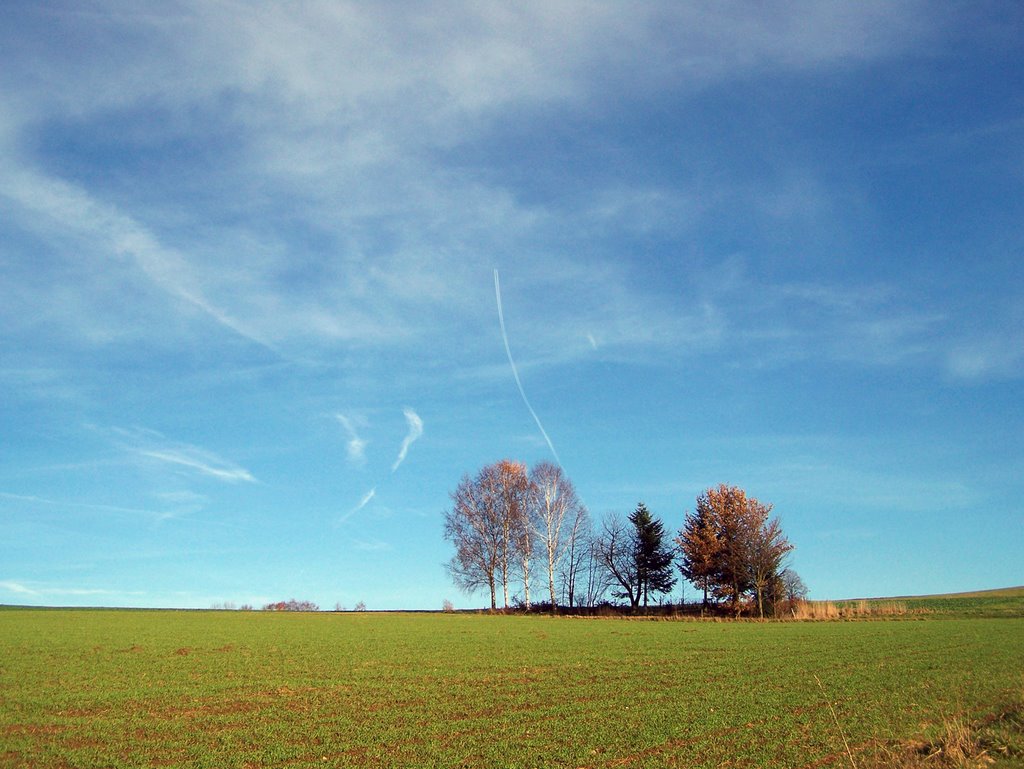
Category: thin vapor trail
[515,371]
[362,503]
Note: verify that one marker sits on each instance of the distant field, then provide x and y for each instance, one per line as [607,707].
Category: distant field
[98,688]
[1004,592]
[1006,602]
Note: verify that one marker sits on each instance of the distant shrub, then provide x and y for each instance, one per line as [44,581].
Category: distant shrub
[359,607]
[447,607]
[292,605]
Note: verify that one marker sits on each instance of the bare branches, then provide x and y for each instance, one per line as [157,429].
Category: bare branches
[556,514]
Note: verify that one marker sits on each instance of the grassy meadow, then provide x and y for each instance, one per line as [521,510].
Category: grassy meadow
[98,688]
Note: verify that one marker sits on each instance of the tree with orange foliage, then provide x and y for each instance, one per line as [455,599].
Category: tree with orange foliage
[699,549]
[731,547]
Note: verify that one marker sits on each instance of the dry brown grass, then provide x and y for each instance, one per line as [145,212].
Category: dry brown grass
[957,744]
[817,610]
[996,740]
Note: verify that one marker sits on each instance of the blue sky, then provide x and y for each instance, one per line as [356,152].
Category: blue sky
[249,336]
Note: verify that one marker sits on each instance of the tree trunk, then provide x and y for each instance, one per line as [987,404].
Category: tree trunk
[551,582]
[526,582]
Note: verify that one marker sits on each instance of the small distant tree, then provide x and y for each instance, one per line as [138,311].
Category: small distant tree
[447,606]
[793,586]
[359,607]
[786,591]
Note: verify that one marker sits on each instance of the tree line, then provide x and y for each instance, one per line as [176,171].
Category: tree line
[510,524]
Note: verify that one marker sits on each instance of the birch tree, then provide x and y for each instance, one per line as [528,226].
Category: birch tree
[512,490]
[474,526]
[485,525]
[555,507]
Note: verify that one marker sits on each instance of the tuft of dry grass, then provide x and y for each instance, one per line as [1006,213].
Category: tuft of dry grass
[957,743]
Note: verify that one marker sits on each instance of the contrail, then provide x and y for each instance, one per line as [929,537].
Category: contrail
[515,371]
[362,503]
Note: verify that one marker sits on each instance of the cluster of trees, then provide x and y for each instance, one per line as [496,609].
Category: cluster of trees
[291,605]
[507,518]
[730,547]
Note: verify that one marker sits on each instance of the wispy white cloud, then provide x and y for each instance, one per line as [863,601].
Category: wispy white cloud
[993,351]
[32,499]
[356,445]
[986,359]
[371,545]
[415,431]
[341,108]
[16,587]
[66,207]
[201,461]
[42,590]
[152,445]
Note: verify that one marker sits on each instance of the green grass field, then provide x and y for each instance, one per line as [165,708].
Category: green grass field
[94,688]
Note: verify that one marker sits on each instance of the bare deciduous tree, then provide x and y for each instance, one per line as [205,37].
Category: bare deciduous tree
[485,524]
[555,514]
[512,492]
[768,549]
[616,552]
[577,553]
[596,580]
[474,526]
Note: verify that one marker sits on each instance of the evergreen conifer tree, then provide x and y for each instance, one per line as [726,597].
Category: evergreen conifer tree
[652,553]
